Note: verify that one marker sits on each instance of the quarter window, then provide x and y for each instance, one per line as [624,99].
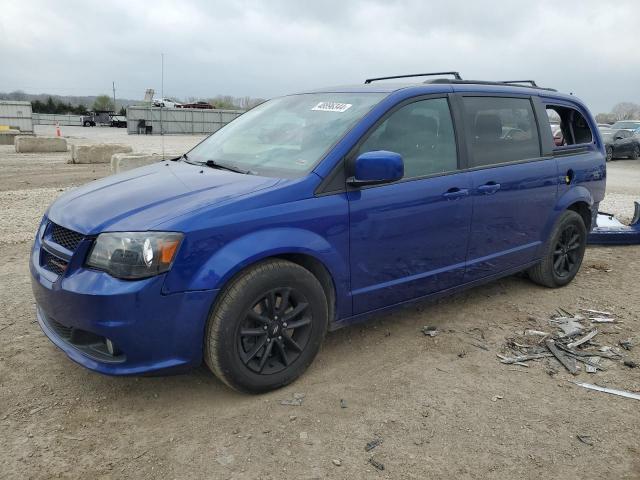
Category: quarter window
[500,130]
[568,126]
[422,132]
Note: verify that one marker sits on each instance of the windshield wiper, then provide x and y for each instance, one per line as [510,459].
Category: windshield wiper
[186,159]
[222,166]
[214,164]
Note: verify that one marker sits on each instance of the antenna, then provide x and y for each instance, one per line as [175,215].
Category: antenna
[113,84]
[162,101]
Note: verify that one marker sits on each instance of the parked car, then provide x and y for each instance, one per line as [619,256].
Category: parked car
[199,105]
[104,118]
[246,250]
[630,125]
[118,121]
[166,103]
[620,143]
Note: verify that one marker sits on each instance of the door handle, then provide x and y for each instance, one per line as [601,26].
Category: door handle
[455,192]
[489,188]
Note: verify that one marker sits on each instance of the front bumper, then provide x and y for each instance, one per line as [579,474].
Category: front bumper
[79,309]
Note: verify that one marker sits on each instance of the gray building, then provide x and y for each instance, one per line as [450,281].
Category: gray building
[177,120]
[17,115]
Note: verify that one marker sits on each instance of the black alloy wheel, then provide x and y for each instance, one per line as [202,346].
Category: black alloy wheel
[609,151]
[566,252]
[275,331]
[267,326]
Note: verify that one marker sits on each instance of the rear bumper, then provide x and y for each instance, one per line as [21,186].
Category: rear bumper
[150,332]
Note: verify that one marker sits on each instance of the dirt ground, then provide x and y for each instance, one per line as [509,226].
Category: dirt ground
[434,401]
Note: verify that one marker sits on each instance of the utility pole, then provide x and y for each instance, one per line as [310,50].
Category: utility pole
[113,84]
[162,102]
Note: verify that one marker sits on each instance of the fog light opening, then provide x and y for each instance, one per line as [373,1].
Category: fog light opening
[111,348]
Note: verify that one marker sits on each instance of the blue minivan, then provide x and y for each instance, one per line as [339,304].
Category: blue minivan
[313,211]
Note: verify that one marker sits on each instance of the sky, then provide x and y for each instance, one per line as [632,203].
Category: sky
[271,48]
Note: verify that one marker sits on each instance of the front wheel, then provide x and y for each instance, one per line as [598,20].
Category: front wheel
[87,124]
[609,153]
[635,153]
[267,327]
[563,253]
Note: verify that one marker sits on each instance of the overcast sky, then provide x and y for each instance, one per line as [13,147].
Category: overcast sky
[265,49]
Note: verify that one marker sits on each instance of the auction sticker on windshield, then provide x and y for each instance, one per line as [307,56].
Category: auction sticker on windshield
[332,107]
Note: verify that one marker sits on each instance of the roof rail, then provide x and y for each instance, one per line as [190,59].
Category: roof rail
[456,75]
[530,82]
[453,81]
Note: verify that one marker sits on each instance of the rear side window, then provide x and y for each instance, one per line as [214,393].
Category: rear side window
[422,132]
[568,126]
[500,130]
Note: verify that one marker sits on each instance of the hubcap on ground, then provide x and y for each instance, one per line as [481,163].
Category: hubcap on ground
[565,253]
[275,331]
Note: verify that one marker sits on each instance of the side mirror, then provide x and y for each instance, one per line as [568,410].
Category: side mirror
[618,137]
[376,167]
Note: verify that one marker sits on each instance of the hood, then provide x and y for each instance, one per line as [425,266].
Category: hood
[142,198]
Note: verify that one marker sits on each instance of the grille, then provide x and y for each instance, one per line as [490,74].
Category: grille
[52,263]
[65,237]
[64,332]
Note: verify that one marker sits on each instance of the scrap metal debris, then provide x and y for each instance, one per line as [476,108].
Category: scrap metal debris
[296,401]
[611,391]
[586,439]
[376,464]
[626,344]
[372,444]
[572,345]
[430,331]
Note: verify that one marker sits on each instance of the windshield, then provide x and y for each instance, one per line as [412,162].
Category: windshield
[287,136]
[627,125]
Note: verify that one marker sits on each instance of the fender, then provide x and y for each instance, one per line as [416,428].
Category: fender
[255,246]
[576,194]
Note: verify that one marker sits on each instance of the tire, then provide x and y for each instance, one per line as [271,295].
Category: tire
[251,346]
[87,123]
[609,151]
[563,255]
[635,153]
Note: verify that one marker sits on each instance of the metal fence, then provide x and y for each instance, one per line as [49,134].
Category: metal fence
[177,120]
[52,119]
[16,114]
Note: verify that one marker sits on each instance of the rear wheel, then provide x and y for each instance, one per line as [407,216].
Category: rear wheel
[267,327]
[87,123]
[635,153]
[563,253]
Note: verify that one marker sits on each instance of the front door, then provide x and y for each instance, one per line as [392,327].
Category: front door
[409,238]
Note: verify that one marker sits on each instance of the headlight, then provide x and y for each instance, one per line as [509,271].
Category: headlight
[133,255]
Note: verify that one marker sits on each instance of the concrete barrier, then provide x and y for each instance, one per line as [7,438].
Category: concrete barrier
[7,137]
[121,162]
[98,153]
[30,144]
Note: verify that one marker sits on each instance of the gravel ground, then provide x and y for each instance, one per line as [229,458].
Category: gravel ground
[443,406]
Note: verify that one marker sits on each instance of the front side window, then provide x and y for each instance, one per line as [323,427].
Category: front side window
[287,136]
[500,130]
[422,132]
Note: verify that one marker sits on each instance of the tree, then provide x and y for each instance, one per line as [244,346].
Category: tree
[50,106]
[123,111]
[103,102]
[605,118]
[626,111]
